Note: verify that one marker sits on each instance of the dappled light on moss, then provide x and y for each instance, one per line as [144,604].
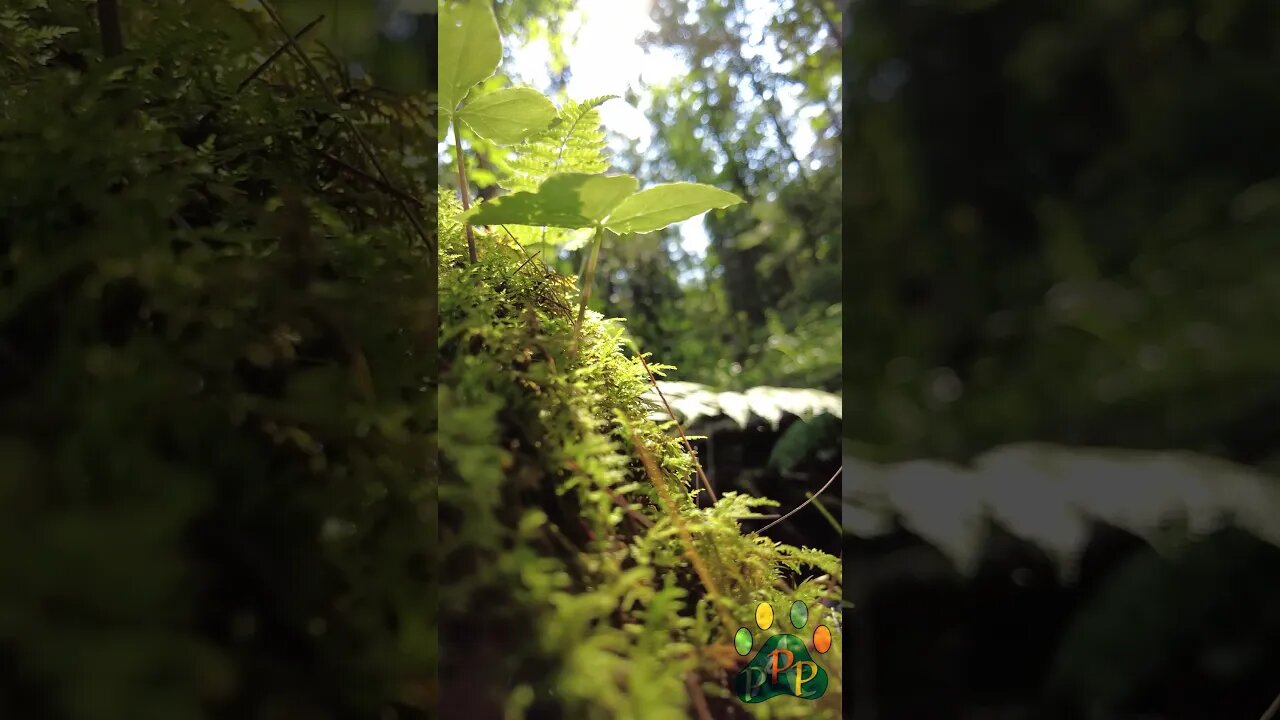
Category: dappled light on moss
[540,471]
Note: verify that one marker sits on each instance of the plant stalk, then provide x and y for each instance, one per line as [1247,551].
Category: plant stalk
[588,276]
[697,464]
[462,186]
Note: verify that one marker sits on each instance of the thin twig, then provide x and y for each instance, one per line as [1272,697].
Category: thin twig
[806,502]
[527,260]
[527,252]
[688,446]
[355,130]
[629,509]
[393,190]
[275,55]
[588,277]
[529,256]
[1271,711]
[261,68]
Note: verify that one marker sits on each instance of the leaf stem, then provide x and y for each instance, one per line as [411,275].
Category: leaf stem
[587,278]
[697,465]
[799,507]
[462,186]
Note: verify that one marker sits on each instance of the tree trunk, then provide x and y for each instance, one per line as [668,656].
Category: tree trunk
[109,26]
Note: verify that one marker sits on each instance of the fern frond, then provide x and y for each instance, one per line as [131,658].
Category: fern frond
[25,39]
[1050,495]
[795,559]
[574,142]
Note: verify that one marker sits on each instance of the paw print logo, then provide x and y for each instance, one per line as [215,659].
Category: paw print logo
[783,666]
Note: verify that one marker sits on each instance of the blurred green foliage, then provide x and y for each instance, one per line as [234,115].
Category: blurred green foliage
[217,345]
[1063,219]
[770,282]
[390,41]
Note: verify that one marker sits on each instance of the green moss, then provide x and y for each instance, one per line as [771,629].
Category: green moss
[556,597]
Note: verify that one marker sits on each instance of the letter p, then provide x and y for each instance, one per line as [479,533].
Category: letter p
[776,668]
[748,683]
[800,678]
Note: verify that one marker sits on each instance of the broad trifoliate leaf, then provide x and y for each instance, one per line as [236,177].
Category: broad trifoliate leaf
[470,49]
[661,205]
[568,200]
[509,115]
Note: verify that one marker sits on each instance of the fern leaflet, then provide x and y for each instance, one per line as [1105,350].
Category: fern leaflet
[574,142]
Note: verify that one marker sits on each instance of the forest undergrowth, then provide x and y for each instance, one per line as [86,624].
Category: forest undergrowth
[567,512]
[217,344]
[218,455]
[570,517]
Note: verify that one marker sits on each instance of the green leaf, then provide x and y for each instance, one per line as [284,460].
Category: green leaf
[470,49]
[661,205]
[567,200]
[508,116]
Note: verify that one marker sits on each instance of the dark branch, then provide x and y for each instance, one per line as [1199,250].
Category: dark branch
[109,25]
[278,52]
